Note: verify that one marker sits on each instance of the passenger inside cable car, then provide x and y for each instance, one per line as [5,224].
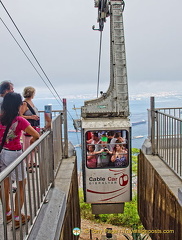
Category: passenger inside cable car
[103,152]
[108,152]
[119,155]
[91,157]
[94,138]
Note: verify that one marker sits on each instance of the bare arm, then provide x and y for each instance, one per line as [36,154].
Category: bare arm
[35,135]
[113,158]
[109,151]
[23,109]
[97,152]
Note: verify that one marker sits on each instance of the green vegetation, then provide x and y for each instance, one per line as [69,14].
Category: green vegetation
[136,235]
[129,218]
[135,152]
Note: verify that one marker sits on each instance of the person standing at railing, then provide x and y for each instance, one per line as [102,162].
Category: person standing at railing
[12,150]
[5,87]
[31,114]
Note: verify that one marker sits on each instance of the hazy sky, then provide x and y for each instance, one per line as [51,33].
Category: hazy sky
[61,37]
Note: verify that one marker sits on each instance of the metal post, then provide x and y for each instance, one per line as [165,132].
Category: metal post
[61,134]
[152,111]
[52,164]
[65,128]
[48,116]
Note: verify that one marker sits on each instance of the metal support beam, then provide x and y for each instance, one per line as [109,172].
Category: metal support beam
[65,128]
[152,109]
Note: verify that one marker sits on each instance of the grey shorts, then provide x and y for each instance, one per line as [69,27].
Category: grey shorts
[7,157]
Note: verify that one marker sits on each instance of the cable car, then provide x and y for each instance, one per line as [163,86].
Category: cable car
[106,127]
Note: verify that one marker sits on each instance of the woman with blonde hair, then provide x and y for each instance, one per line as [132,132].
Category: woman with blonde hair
[30,113]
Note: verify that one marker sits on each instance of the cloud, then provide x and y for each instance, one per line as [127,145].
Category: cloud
[60,35]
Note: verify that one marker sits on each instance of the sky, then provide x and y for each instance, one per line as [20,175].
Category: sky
[61,37]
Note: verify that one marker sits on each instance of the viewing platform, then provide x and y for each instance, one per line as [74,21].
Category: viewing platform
[160,175]
[51,191]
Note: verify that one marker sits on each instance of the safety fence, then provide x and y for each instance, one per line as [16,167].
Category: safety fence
[46,154]
[165,132]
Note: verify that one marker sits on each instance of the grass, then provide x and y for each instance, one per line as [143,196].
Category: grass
[127,219]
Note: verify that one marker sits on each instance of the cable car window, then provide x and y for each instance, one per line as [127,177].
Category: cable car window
[106,149]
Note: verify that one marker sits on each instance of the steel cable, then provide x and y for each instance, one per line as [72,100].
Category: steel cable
[33,57]
[98,77]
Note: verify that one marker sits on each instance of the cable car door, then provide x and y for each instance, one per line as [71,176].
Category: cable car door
[106,160]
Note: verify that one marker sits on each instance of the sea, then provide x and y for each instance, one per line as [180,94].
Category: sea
[138,105]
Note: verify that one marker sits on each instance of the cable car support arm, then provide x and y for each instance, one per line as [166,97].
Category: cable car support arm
[113,103]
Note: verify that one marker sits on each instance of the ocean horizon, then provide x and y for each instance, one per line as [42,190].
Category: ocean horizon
[138,105]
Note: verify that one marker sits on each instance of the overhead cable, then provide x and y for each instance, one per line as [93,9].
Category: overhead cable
[33,57]
[28,58]
[98,77]
[30,50]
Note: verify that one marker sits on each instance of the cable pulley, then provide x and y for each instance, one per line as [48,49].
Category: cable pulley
[103,12]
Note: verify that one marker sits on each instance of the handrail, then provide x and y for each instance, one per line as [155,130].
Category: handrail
[54,111]
[168,115]
[47,152]
[158,109]
[165,132]
[14,164]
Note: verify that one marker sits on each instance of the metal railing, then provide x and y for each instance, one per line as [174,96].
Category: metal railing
[47,154]
[165,132]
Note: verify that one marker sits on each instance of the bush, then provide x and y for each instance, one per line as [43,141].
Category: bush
[129,218]
[85,208]
[135,152]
